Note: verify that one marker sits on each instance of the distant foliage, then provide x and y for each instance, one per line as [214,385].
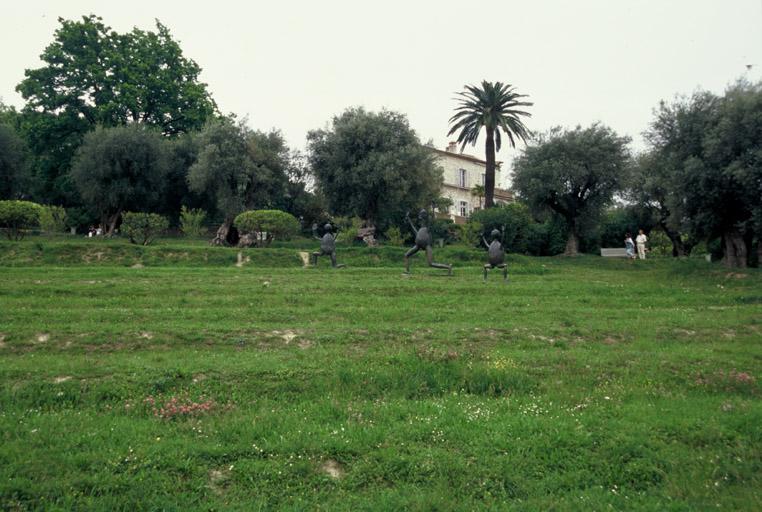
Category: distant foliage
[348,228]
[192,221]
[18,216]
[143,228]
[267,225]
[444,229]
[394,236]
[514,218]
[472,232]
[372,165]
[659,243]
[53,219]
[120,169]
[15,175]
[546,238]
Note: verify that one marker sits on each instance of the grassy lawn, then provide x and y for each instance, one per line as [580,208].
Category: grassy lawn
[583,384]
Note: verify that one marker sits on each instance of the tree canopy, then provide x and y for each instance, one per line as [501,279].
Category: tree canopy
[120,168]
[15,176]
[713,147]
[239,168]
[372,165]
[106,78]
[93,76]
[575,173]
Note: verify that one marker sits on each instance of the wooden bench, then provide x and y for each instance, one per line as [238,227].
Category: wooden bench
[613,252]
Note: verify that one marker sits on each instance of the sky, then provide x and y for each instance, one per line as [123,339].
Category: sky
[293,65]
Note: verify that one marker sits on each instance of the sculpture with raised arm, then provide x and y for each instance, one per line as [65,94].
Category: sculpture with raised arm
[327,245]
[495,253]
[423,242]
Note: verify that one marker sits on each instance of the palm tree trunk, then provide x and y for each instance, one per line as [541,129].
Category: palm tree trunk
[489,172]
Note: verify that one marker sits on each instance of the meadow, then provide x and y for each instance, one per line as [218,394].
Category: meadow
[184,377]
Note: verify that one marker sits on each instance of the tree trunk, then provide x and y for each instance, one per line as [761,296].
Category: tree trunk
[489,171]
[226,234]
[108,223]
[679,249]
[572,243]
[734,249]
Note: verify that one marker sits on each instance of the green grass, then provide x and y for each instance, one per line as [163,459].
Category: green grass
[583,384]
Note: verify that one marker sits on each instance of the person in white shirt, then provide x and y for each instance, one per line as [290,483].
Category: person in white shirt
[641,240]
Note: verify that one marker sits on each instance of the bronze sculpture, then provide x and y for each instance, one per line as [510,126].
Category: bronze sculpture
[495,253]
[423,242]
[327,245]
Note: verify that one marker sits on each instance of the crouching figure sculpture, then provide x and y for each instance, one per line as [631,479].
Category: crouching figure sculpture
[327,245]
[495,254]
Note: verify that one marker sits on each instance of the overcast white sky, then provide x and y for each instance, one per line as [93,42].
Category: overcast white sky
[293,65]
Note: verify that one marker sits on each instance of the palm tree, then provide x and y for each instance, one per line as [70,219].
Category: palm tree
[492,106]
[478,191]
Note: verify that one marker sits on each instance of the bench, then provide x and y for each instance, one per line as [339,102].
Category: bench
[613,252]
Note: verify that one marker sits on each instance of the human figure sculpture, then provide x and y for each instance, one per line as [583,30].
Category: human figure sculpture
[327,245]
[423,242]
[495,254]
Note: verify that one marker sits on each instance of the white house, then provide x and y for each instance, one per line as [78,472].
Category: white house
[461,173]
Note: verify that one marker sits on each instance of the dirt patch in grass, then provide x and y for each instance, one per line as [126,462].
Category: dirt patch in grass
[42,337]
[219,479]
[736,275]
[613,339]
[63,378]
[138,265]
[2,340]
[332,469]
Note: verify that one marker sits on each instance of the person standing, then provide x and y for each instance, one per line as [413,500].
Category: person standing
[629,246]
[641,240]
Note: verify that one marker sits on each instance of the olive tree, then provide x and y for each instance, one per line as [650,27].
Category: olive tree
[575,173]
[118,169]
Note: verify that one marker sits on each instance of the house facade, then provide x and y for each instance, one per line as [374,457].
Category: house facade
[461,173]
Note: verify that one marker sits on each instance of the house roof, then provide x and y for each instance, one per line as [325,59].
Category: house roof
[463,156]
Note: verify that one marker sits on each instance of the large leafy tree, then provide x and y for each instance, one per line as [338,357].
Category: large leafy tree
[15,177]
[119,169]
[240,169]
[496,108]
[574,173]
[713,146]
[653,193]
[93,76]
[372,165]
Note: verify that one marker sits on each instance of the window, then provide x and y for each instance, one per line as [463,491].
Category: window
[484,179]
[463,209]
[462,178]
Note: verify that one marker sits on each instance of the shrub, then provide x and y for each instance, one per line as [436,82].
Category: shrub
[472,233]
[143,228]
[514,217]
[53,219]
[18,216]
[266,225]
[348,228]
[546,238]
[191,221]
[443,229]
[394,236]
[659,243]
